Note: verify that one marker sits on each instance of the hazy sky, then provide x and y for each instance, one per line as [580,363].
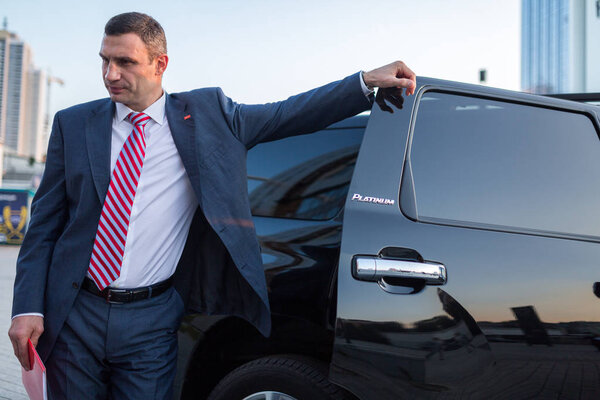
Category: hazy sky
[260,51]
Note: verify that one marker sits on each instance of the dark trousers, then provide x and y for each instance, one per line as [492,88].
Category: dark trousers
[116,351]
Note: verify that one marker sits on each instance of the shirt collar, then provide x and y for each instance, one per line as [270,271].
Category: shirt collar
[156,110]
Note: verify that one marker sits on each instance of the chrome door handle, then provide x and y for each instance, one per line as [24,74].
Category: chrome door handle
[373,268]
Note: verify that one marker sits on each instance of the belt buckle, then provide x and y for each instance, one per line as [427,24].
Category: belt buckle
[109,299]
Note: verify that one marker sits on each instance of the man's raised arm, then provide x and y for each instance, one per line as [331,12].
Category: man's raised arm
[313,110]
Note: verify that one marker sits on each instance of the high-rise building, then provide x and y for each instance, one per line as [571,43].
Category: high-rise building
[4,47]
[34,141]
[22,98]
[560,46]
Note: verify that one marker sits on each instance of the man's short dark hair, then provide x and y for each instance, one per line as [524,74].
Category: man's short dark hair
[146,27]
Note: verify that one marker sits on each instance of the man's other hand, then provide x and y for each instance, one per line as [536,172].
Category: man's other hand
[396,74]
[23,328]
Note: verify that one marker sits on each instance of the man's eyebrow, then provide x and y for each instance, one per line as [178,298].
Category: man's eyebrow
[119,59]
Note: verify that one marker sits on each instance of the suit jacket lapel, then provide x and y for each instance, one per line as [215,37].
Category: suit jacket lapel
[183,129]
[98,140]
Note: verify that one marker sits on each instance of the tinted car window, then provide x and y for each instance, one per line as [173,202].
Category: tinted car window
[303,177]
[486,163]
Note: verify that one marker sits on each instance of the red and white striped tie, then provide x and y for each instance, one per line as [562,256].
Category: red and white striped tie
[109,245]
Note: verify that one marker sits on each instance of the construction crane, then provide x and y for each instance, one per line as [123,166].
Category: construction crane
[50,79]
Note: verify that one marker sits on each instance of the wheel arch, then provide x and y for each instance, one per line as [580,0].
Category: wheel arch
[212,346]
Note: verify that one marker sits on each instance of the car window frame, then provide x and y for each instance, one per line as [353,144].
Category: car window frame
[407,194]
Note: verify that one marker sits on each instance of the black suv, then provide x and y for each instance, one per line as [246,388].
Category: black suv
[448,247]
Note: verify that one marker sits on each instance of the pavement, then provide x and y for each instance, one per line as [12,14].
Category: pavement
[11,387]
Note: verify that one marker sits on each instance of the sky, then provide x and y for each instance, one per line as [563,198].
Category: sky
[260,51]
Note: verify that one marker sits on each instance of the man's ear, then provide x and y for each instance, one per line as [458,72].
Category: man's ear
[161,64]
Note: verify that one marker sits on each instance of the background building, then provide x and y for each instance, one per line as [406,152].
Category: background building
[35,138]
[560,46]
[22,99]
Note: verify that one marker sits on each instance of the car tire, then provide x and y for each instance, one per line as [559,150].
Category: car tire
[278,377]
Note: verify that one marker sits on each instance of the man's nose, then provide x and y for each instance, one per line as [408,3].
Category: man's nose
[112,72]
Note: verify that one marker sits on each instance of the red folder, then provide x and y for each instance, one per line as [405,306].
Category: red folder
[34,380]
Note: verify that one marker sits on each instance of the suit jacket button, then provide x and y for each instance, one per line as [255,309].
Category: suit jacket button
[75,285]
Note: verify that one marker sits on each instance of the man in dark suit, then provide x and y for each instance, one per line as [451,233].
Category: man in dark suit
[99,224]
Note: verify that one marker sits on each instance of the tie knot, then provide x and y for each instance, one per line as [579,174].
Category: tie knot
[138,119]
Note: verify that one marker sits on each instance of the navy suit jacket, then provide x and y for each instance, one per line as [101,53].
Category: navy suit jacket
[220,271]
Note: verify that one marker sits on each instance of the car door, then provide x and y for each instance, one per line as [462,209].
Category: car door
[471,249]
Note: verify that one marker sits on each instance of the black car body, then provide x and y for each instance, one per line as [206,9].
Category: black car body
[455,255]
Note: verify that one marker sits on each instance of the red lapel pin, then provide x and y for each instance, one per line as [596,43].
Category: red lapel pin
[187,116]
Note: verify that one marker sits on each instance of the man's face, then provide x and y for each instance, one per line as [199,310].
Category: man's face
[129,75]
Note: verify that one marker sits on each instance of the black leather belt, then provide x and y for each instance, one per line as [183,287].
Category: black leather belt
[120,296]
